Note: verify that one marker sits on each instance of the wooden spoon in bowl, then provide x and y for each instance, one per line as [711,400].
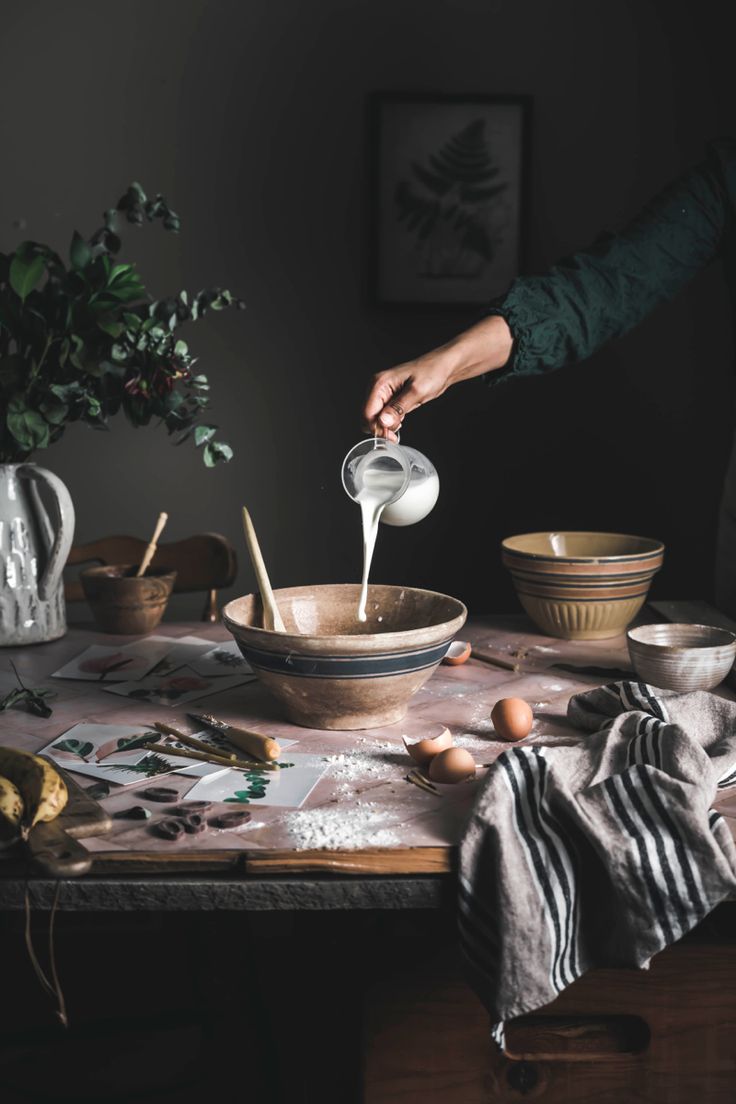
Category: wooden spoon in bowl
[271,617]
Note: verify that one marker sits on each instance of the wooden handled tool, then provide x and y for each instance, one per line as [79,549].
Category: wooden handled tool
[252,743]
[270,748]
[151,549]
[271,616]
[218,760]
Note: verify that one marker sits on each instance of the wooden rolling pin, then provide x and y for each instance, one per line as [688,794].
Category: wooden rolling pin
[253,743]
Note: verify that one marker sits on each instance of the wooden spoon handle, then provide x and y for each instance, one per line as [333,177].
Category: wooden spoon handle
[271,616]
[150,550]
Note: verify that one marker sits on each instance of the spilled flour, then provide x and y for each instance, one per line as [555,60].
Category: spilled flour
[331,829]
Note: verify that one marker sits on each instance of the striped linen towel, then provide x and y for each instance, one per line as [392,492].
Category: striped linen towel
[599,853]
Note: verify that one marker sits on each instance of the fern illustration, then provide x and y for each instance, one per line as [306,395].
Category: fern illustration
[152,765]
[450,205]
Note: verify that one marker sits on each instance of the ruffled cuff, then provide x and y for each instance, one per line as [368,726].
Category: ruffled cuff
[535,338]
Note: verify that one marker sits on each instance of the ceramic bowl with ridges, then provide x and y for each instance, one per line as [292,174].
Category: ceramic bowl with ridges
[681,657]
[329,670]
[582,585]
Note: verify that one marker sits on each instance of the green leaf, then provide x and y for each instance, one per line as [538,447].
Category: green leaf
[25,274]
[54,412]
[119,353]
[114,329]
[80,253]
[181,348]
[203,434]
[216,452]
[121,273]
[28,427]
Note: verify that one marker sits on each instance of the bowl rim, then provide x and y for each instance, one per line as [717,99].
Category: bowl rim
[399,637]
[682,649]
[626,557]
[103,571]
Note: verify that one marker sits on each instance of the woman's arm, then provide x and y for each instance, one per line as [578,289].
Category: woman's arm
[564,316]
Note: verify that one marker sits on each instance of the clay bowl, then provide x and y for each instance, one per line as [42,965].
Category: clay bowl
[681,657]
[120,603]
[329,670]
[582,585]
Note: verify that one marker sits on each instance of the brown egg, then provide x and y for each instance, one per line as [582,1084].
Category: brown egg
[457,653]
[422,751]
[452,765]
[512,718]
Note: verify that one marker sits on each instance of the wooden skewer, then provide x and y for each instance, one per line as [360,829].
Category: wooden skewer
[418,780]
[151,549]
[494,661]
[217,760]
[271,617]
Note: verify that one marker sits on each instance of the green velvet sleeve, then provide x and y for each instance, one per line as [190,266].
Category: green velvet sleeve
[589,298]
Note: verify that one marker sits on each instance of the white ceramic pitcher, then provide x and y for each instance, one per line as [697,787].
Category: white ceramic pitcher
[33,550]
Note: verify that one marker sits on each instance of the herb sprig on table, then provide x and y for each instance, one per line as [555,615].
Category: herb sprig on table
[33,700]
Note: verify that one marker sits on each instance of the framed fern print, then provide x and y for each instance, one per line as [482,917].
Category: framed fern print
[449,196]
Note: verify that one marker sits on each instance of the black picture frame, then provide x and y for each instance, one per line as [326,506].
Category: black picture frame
[449,196]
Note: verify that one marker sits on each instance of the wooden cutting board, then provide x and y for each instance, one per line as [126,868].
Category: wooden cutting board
[53,848]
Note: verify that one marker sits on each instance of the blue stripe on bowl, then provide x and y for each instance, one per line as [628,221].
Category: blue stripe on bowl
[345,667]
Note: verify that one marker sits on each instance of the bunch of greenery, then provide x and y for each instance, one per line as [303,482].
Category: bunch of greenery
[79,342]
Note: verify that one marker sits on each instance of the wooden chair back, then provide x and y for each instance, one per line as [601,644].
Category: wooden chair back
[205,562]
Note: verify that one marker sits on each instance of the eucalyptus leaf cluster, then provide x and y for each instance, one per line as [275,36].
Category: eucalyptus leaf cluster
[82,340]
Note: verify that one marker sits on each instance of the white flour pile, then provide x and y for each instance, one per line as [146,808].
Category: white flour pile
[353,765]
[339,829]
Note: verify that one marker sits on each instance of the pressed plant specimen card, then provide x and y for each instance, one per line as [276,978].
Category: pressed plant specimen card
[113,753]
[288,787]
[224,659]
[182,685]
[115,664]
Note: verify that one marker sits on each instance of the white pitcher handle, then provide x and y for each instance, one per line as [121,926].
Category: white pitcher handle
[64,535]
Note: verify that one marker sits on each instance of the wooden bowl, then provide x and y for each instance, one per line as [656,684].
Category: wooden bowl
[582,585]
[120,603]
[330,670]
[681,657]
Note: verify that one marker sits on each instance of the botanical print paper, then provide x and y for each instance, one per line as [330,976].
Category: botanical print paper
[224,659]
[288,787]
[98,750]
[177,688]
[119,664]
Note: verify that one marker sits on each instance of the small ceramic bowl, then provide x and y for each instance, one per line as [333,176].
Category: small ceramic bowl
[330,670]
[582,585]
[681,657]
[120,603]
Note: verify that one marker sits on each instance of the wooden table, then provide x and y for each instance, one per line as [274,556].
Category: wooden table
[264,866]
[425,1036]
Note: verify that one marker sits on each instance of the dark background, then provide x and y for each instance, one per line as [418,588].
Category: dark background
[251,118]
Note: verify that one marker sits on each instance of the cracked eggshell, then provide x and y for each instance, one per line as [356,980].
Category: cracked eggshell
[457,653]
[452,765]
[422,751]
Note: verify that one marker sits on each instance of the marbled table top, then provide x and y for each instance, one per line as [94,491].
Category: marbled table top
[382,823]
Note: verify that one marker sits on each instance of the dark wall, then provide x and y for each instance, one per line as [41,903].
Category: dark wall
[250,118]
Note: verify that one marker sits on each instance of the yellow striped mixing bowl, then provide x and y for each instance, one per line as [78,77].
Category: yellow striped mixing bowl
[582,585]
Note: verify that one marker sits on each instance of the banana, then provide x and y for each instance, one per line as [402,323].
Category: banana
[11,811]
[41,787]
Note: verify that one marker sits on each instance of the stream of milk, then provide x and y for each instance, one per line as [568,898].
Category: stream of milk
[379,487]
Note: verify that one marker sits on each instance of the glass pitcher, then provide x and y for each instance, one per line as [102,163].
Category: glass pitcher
[407,480]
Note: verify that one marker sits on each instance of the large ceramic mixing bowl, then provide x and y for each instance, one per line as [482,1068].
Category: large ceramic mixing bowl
[330,670]
[579,585]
